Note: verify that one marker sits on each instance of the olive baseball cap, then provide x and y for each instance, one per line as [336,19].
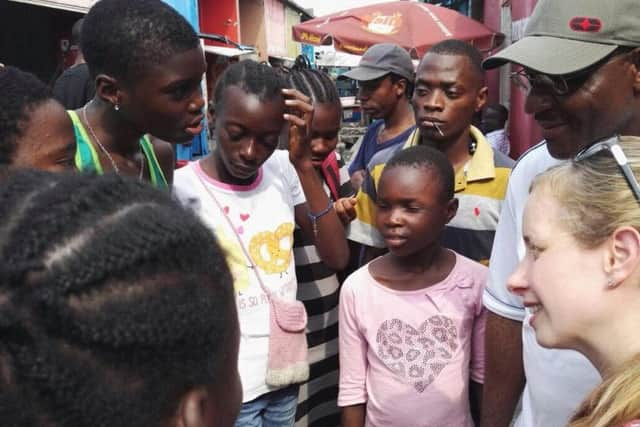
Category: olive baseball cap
[565,36]
[382,59]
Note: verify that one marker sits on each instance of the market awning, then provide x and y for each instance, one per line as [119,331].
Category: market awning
[227,51]
[80,6]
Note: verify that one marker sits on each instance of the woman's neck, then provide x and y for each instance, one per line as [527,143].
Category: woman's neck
[614,348]
[114,132]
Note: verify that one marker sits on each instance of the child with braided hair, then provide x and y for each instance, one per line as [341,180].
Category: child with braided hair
[102,325]
[318,285]
[251,195]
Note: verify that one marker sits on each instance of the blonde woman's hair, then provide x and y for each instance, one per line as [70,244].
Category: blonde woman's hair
[593,194]
[614,402]
[595,200]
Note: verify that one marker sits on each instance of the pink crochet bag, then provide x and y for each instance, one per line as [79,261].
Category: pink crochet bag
[287,362]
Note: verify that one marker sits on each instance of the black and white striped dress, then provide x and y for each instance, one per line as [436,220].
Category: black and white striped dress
[319,289]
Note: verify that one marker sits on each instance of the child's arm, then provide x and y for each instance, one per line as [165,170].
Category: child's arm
[328,232]
[352,395]
[354,415]
[477,359]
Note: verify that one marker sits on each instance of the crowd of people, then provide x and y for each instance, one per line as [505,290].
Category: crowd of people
[432,281]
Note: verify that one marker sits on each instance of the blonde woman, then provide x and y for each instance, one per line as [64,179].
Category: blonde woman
[580,277]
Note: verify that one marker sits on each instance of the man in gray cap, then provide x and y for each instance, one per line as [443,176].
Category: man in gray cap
[579,61]
[385,76]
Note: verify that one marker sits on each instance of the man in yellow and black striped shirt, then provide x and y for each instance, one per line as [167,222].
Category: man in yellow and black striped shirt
[449,91]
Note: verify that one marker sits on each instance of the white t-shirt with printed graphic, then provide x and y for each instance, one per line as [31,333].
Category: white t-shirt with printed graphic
[262,215]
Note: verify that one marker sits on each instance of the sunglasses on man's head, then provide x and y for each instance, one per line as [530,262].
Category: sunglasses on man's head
[612,145]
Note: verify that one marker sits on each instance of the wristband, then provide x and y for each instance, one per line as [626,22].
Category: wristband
[314,217]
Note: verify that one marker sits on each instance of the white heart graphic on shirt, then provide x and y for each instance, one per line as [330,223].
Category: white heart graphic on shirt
[417,355]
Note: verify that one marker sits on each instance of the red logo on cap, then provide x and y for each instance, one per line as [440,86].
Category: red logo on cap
[585,24]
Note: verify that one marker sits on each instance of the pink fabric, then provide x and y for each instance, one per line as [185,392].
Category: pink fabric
[409,355]
[287,362]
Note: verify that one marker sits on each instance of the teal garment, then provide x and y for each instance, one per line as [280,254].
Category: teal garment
[86,157]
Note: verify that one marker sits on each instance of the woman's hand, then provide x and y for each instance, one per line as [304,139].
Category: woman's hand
[299,115]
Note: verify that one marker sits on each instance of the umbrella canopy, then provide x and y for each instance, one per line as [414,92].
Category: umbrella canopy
[412,25]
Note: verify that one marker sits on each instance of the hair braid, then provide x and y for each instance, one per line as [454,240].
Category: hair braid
[316,84]
[108,310]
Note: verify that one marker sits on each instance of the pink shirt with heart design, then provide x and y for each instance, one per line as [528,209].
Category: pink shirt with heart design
[409,355]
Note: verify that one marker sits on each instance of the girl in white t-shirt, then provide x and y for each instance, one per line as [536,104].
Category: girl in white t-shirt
[251,196]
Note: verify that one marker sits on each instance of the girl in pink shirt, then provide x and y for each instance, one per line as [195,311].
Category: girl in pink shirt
[412,321]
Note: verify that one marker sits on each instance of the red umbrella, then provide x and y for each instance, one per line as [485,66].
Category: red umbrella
[412,25]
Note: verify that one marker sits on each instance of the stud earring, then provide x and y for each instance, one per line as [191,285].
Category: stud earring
[611,283]
[116,107]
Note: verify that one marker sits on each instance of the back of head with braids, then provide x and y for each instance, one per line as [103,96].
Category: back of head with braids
[316,84]
[109,313]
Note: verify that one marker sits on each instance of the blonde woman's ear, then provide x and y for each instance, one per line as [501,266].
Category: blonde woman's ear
[623,255]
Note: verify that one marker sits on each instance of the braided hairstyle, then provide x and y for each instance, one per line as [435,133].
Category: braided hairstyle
[316,84]
[21,93]
[253,78]
[109,312]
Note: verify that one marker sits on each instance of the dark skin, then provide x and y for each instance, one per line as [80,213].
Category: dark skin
[384,99]
[605,103]
[325,127]
[411,214]
[248,131]
[449,91]
[163,100]
[215,404]
[46,139]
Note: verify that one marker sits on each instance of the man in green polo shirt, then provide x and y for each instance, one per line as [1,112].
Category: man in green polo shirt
[449,90]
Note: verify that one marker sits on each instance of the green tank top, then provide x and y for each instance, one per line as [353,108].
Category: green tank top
[86,157]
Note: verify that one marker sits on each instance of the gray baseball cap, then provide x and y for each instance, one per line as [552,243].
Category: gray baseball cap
[381,59]
[565,36]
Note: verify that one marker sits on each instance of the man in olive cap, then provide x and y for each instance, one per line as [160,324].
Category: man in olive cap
[579,61]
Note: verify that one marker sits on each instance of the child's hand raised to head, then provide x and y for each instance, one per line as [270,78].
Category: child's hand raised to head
[299,115]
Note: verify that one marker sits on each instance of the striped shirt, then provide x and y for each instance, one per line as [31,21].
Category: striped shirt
[480,188]
[318,289]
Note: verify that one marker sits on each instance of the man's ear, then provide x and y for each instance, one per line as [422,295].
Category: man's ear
[192,410]
[452,209]
[401,88]
[634,58]
[108,89]
[481,98]
[622,255]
